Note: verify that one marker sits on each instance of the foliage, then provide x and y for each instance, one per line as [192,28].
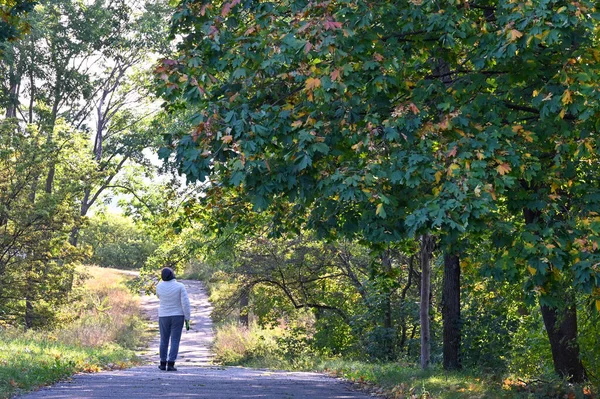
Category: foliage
[380,121]
[37,261]
[358,117]
[12,25]
[257,347]
[116,241]
[77,75]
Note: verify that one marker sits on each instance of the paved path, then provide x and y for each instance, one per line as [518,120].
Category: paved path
[197,377]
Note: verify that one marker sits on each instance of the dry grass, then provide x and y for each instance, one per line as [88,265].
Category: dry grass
[105,312]
[238,345]
[99,330]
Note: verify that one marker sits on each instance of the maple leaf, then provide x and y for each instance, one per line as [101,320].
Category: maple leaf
[227,139]
[452,152]
[378,57]
[451,169]
[312,83]
[514,34]
[332,25]
[566,97]
[413,108]
[307,47]
[335,74]
[204,8]
[503,169]
[228,6]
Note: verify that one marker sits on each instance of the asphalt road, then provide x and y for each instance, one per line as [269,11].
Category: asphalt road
[197,376]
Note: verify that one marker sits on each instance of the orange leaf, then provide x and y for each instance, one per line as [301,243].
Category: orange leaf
[332,25]
[503,169]
[228,6]
[378,57]
[227,139]
[514,34]
[452,152]
[312,83]
[413,108]
[335,75]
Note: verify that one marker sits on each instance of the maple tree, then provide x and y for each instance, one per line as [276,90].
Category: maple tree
[394,119]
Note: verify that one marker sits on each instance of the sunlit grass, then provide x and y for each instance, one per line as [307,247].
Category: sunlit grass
[99,331]
[256,347]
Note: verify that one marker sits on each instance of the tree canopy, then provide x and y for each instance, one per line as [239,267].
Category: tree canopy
[469,120]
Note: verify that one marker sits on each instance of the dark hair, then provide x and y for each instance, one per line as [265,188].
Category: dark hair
[167,274]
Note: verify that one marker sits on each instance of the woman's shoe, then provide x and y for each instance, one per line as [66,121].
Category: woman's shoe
[171,366]
[162,365]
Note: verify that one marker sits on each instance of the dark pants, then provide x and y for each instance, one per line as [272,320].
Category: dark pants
[170,328]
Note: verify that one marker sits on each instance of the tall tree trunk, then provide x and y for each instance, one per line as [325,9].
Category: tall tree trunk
[13,95]
[426,253]
[244,301]
[28,312]
[388,344]
[451,312]
[561,327]
[403,326]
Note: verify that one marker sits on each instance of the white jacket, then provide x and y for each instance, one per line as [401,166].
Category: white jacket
[174,299]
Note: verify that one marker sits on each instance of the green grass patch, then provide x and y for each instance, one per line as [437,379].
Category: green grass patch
[280,348]
[406,381]
[29,360]
[99,330]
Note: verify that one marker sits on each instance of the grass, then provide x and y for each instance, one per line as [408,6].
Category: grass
[408,381]
[269,348]
[100,330]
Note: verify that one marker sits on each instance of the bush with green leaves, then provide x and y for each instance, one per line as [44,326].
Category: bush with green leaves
[116,241]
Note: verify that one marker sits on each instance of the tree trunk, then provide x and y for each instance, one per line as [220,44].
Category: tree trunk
[388,344]
[13,95]
[244,301]
[561,326]
[426,253]
[451,312]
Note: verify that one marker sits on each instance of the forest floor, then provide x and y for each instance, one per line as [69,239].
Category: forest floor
[197,377]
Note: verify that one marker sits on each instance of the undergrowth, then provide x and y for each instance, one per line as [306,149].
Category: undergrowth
[99,330]
[286,348]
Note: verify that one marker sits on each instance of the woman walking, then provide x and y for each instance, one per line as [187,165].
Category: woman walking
[173,311]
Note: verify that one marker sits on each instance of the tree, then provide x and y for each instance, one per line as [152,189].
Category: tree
[117,242]
[85,61]
[36,264]
[397,119]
